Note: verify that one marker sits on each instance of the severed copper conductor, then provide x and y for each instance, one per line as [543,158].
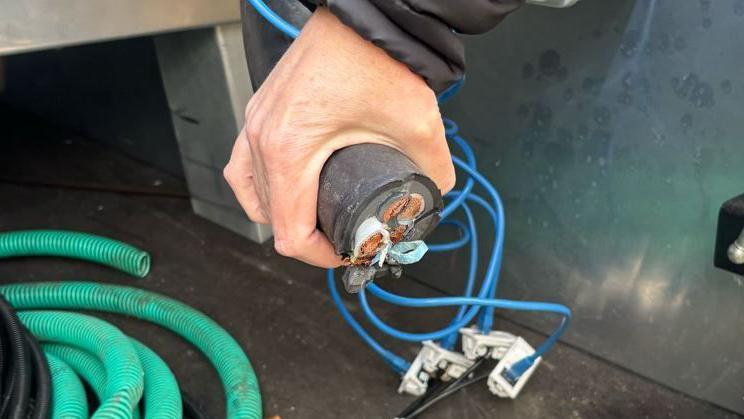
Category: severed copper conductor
[407,207]
[397,233]
[404,208]
[395,208]
[370,246]
[413,207]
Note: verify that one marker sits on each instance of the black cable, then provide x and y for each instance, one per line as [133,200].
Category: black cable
[42,379]
[24,367]
[8,383]
[434,394]
[191,409]
[25,379]
[446,393]
[20,391]
[431,391]
[3,364]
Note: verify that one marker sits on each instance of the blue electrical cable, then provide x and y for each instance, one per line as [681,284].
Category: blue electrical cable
[273,18]
[518,368]
[398,364]
[449,341]
[485,301]
[490,277]
[465,234]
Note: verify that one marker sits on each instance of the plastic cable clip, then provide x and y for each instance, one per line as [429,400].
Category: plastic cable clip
[415,381]
[432,361]
[439,361]
[476,344]
[499,381]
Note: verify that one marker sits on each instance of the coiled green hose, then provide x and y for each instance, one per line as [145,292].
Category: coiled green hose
[124,374]
[234,368]
[71,244]
[68,394]
[87,366]
[162,396]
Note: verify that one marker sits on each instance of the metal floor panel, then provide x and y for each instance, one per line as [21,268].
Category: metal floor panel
[30,25]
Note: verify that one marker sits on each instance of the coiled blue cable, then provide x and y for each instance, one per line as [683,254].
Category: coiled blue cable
[449,341]
[472,311]
[398,364]
[485,302]
[465,235]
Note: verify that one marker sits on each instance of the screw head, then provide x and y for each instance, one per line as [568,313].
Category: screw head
[736,253]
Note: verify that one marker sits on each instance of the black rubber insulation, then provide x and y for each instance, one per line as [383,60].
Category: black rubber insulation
[439,390]
[25,381]
[192,409]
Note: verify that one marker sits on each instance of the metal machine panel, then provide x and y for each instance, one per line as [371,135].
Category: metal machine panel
[29,25]
[207,85]
[615,131]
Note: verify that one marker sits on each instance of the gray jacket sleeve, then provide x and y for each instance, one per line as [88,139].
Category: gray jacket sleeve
[422,33]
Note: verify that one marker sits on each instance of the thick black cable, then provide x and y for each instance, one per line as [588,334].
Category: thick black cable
[3,363]
[440,388]
[9,381]
[20,390]
[42,379]
[446,393]
[191,409]
[431,391]
[17,374]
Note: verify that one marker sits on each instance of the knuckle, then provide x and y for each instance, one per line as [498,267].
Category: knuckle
[228,172]
[286,247]
[271,144]
[253,107]
[270,147]
[428,129]
[253,131]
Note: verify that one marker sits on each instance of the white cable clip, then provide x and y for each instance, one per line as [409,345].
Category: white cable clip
[437,359]
[432,361]
[475,344]
[416,380]
[498,381]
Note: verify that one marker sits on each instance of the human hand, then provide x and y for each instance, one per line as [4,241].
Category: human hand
[331,89]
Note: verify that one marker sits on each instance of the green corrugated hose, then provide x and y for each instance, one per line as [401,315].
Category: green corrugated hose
[124,373]
[233,367]
[76,245]
[87,366]
[162,396]
[68,394]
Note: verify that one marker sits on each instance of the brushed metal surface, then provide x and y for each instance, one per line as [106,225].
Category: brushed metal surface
[614,131]
[27,25]
[208,86]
